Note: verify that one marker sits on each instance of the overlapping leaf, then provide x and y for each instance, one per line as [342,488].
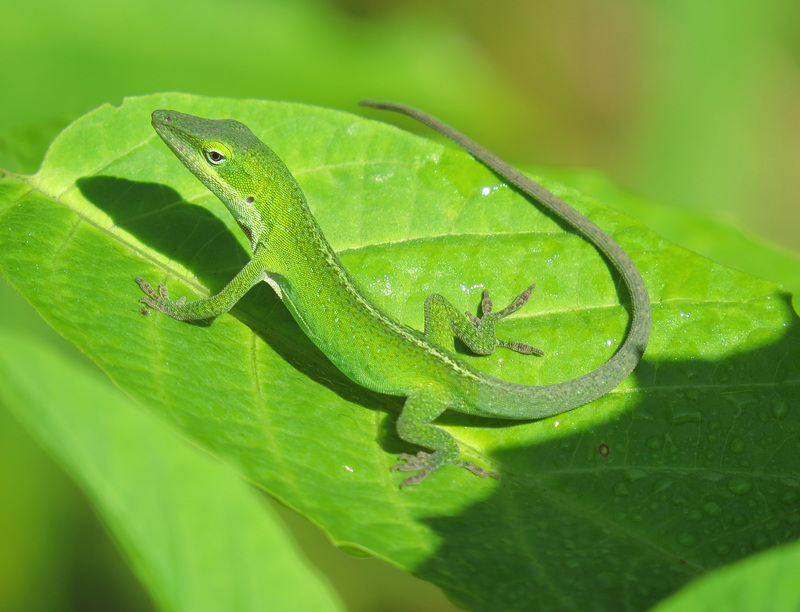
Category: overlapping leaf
[197,536]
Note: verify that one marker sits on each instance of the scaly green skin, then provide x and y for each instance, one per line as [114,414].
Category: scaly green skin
[291,254]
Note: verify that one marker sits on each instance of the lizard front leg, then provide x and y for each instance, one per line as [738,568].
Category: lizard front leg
[210,307]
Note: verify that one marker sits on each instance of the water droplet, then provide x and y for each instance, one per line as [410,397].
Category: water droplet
[684,414]
[607,579]
[760,541]
[686,539]
[680,500]
[739,485]
[635,473]
[661,485]
[722,549]
[737,446]
[712,508]
[779,409]
[621,488]
[773,524]
[654,442]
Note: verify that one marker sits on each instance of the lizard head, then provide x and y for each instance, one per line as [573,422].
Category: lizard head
[233,163]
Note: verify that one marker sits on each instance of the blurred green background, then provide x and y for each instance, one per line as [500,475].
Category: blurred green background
[690,104]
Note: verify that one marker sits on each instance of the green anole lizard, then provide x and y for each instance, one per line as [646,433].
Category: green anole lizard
[291,254]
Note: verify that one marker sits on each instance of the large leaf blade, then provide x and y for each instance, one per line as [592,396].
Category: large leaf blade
[617,472]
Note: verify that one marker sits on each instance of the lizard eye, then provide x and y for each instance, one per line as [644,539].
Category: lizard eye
[214,157]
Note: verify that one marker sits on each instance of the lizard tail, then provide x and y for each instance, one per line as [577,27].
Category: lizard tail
[509,400]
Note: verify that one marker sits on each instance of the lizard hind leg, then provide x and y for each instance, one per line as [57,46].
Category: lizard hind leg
[414,425]
[488,318]
[442,321]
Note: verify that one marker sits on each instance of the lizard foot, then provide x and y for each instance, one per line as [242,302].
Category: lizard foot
[158,299]
[489,318]
[426,463]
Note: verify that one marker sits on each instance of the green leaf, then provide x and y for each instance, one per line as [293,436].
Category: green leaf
[711,236]
[689,464]
[766,581]
[197,536]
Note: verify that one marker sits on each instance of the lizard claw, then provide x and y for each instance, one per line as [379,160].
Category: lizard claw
[426,463]
[520,347]
[158,299]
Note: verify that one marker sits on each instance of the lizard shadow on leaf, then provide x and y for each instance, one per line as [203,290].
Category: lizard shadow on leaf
[158,216]
[632,497]
[195,238]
